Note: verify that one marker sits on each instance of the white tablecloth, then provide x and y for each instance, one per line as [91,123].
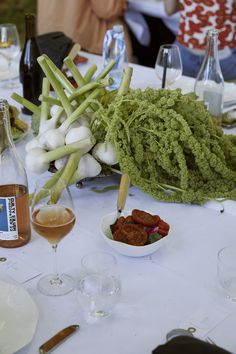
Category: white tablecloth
[175,287]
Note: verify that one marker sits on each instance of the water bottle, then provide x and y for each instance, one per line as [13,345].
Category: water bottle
[209,84]
[114,47]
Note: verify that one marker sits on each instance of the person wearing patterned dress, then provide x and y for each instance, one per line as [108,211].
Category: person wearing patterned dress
[196,18]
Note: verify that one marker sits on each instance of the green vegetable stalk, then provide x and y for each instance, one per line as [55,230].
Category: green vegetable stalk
[43,62]
[45,108]
[74,71]
[66,175]
[59,75]
[26,103]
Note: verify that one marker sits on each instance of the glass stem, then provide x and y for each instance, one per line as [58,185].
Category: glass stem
[56,279]
[9,70]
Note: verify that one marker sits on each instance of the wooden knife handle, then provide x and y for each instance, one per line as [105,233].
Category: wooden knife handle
[122,193]
[57,339]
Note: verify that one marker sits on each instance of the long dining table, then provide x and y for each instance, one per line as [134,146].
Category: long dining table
[175,287]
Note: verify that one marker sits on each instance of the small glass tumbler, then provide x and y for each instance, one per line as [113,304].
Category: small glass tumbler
[226,269]
[99,288]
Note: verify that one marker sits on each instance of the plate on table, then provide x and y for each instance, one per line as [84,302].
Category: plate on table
[18,318]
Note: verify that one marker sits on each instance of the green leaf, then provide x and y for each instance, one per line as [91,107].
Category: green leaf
[154,237]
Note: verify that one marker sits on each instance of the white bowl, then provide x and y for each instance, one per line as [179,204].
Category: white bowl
[124,248]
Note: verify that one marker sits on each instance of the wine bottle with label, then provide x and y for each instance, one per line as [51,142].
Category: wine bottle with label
[209,84]
[31,74]
[14,198]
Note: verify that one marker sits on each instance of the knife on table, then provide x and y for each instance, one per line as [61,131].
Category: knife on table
[54,341]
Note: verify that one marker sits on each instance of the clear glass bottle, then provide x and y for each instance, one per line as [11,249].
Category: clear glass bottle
[31,74]
[209,84]
[114,47]
[14,197]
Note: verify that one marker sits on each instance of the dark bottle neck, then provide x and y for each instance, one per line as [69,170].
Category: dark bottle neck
[30,26]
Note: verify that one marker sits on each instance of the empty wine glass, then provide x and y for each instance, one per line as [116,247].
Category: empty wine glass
[168,65]
[9,49]
[53,222]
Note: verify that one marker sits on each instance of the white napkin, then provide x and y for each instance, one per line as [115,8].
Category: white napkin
[18,269]
[205,318]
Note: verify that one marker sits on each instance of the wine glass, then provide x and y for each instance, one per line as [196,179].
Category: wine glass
[53,222]
[9,49]
[168,65]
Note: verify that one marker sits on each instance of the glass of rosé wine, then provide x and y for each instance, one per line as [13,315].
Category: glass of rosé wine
[53,221]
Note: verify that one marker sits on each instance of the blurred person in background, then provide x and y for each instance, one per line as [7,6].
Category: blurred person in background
[154,34]
[196,18]
[84,21]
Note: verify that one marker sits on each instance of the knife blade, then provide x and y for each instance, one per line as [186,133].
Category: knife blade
[59,337]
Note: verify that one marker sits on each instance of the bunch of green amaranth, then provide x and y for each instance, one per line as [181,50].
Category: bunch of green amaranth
[169,145]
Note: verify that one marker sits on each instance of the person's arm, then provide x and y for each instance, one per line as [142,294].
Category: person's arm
[171,6]
[108,9]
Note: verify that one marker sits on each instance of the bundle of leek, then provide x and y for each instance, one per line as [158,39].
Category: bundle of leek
[64,134]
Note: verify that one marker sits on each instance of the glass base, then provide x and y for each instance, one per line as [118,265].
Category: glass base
[99,314]
[96,316]
[56,286]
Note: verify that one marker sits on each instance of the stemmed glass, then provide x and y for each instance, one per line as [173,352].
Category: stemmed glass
[168,64]
[53,222]
[9,49]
